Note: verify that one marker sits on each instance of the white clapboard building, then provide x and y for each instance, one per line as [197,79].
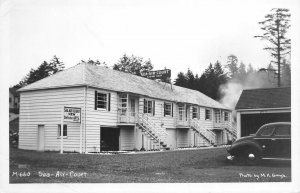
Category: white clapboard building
[118,111]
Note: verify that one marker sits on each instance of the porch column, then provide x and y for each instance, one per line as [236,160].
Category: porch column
[127,108]
[135,139]
[238,124]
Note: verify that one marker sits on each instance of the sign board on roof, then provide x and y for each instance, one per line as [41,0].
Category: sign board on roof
[158,74]
[72,114]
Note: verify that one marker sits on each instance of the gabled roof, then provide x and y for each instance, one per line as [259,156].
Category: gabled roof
[265,98]
[100,77]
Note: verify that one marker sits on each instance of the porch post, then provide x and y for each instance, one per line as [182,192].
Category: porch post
[238,124]
[134,133]
[127,108]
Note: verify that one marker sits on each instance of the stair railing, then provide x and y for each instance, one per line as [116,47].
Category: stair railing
[207,133]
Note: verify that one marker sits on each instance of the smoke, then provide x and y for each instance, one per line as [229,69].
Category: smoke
[231,91]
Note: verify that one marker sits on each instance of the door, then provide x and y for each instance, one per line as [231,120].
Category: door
[133,109]
[219,137]
[109,139]
[171,138]
[266,141]
[41,138]
[282,141]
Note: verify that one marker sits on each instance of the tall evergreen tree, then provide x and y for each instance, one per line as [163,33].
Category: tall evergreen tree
[286,73]
[133,64]
[181,80]
[232,65]
[242,73]
[250,69]
[275,28]
[44,70]
[56,64]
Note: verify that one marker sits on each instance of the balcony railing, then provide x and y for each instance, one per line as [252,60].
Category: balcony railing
[183,123]
[125,116]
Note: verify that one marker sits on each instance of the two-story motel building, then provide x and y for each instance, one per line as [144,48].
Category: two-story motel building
[119,111]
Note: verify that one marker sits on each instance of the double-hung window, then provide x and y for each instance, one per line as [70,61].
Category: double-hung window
[181,112]
[102,101]
[195,114]
[207,114]
[149,106]
[226,116]
[168,109]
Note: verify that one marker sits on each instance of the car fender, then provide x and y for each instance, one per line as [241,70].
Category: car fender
[237,148]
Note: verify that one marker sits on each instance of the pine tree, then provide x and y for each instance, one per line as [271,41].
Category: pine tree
[232,65]
[134,65]
[275,28]
[44,70]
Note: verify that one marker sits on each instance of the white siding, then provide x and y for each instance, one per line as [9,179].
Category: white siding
[172,138]
[44,107]
[127,138]
[96,118]
[208,124]
[183,138]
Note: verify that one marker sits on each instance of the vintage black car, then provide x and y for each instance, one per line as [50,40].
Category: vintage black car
[271,141]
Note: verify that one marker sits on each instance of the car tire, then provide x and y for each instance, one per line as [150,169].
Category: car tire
[252,156]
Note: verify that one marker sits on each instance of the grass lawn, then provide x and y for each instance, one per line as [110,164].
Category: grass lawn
[201,165]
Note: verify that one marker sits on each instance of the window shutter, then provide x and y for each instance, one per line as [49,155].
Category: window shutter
[145,107]
[198,113]
[96,100]
[108,101]
[164,109]
[153,107]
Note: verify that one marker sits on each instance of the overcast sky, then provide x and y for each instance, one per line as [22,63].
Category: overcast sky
[173,34]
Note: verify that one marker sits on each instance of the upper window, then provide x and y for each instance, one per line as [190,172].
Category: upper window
[266,131]
[283,130]
[102,101]
[148,106]
[65,131]
[195,113]
[10,100]
[207,114]
[181,112]
[168,109]
[226,116]
[217,116]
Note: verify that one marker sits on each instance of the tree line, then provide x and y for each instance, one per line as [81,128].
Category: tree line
[274,27]
[131,64]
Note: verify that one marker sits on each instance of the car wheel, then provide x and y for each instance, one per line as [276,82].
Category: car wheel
[252,157]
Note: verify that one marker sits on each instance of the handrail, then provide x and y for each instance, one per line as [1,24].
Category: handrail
[149,126]
[211,136]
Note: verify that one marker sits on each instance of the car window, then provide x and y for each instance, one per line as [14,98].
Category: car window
[266,131]
[283,130]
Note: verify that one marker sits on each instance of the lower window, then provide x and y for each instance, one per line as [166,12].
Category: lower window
[65,131]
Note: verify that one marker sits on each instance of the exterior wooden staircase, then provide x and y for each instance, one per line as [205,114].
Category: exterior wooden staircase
[207,135]
[155,133]
[231,130]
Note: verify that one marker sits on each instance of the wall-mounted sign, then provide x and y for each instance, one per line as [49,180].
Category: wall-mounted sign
[72,114]
[158,74]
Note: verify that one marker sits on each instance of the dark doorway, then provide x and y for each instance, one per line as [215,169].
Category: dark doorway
[250,123]
[109,138]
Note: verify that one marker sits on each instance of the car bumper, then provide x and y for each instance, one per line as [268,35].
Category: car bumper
[230,157]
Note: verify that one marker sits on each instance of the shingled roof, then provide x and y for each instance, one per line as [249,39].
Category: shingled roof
[100,77]
[265,98]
